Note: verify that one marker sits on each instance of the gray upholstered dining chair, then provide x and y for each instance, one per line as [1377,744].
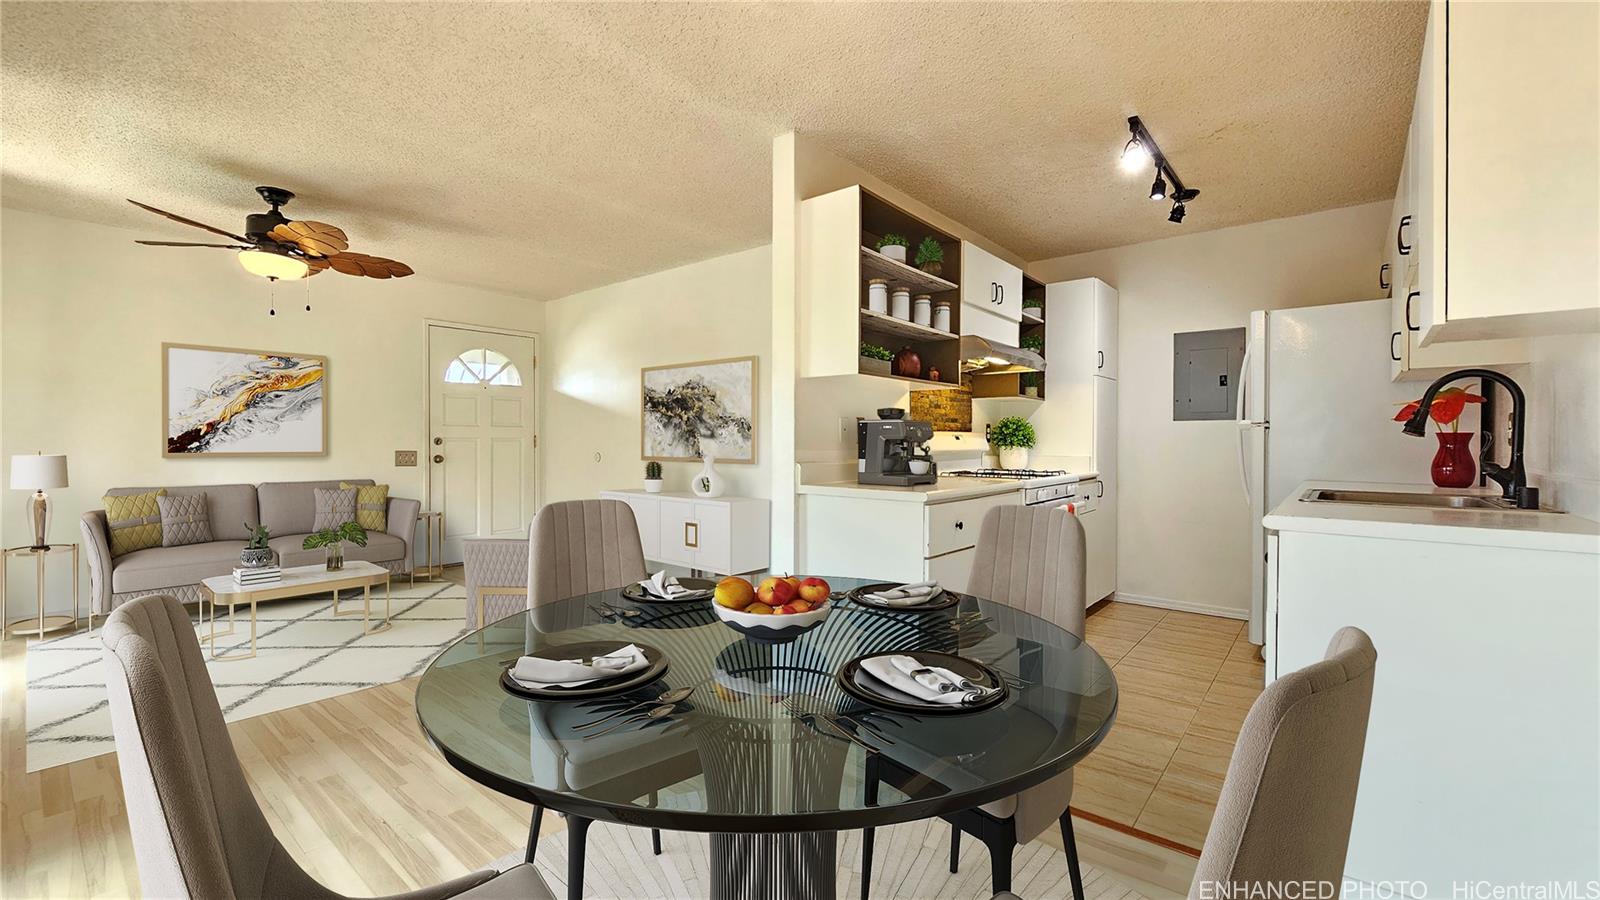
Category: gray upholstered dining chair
[1290,792]
[1031,559]
[197,830]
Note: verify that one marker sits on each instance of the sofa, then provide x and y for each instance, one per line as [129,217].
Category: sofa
[287,508]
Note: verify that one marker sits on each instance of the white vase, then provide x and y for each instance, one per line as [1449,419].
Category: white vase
[1013,457]
[652,485]
[707,482]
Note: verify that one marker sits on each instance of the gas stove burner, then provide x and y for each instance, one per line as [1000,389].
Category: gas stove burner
[1013,474]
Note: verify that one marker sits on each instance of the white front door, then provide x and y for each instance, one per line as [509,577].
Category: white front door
[481,436]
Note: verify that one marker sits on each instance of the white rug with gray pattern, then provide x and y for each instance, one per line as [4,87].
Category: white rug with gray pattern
[303,654]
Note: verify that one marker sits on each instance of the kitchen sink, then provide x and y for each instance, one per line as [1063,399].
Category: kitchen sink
[1425,501]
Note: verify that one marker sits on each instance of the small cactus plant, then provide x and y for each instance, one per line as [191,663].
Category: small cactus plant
[652,471]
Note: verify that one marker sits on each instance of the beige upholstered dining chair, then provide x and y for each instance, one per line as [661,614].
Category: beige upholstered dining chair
[582,546]
[1290,792]
[197,830]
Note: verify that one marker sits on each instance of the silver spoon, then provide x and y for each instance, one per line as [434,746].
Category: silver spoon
[667,697]
[649,715]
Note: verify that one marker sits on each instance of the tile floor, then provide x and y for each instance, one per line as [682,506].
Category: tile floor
[1186,683]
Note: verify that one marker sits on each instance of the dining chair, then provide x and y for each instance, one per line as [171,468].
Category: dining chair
[1031,559]
[197,829]
[1290,792]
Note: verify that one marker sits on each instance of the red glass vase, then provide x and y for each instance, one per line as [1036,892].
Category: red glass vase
[1452,465]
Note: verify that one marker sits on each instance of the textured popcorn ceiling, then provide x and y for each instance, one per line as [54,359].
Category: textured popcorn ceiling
[544,149]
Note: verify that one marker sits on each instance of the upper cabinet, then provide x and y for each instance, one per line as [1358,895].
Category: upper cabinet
[1501,223]
[991,295]
[1084,338]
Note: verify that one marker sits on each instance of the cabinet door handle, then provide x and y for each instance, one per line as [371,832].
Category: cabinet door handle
[1383,282]
[1409,297]
[691,542]
[1002,295]
[1102,486]
[1101,357]
[1392,353]
[1400,236]
[960,525]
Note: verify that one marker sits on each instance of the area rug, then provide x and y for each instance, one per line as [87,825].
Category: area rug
[910,861]
[303,654]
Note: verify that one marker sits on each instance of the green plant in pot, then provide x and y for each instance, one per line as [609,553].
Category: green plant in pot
[332,541]
[652,477]
[894,246]
[256,554]
[875,359]
[1012,437]
[930,256]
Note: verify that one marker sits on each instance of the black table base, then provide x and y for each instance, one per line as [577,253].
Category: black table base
[800,866]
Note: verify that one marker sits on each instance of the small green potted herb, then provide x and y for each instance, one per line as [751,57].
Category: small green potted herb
[1012,437]
[256,554]
[894,246]
[1031,382]
[930,256]
[332,541]
[875,360]
[652,477]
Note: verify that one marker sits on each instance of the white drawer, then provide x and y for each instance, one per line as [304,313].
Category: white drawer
[954,526]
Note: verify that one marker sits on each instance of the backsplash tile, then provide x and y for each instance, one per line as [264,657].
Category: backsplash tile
[948,410]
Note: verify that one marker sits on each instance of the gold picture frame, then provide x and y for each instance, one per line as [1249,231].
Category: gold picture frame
[191,369]
[733,385]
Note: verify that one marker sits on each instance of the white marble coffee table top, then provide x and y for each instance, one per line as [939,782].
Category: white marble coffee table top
[309,577]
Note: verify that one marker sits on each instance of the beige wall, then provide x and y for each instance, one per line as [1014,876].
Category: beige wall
[1184,534]
[597,341]
[1562,450]
[85,311]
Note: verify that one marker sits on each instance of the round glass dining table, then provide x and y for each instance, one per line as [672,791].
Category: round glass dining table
[767,753]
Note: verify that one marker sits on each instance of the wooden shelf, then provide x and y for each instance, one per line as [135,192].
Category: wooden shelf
[876,265]
[1031,318]
[918,384]
[1018,398]
[872,321]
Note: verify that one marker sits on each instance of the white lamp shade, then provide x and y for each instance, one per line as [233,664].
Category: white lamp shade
[38,471]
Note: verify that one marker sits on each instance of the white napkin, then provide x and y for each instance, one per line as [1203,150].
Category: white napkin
[905,595]
[666,587]
[536,672]
[895,671]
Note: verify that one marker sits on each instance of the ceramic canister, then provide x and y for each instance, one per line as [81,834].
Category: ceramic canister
[941,315]
[922,309]
[900,303]
[878,295]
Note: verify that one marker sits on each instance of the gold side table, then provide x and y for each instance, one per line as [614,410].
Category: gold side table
[433,570]
[41,624]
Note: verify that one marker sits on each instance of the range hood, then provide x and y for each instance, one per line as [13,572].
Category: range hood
[981,356]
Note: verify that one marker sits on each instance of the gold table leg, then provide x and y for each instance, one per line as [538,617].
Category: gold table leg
[39,625]
[366,606]
[233,605]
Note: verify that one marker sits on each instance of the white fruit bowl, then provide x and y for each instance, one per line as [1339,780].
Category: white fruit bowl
[772,627]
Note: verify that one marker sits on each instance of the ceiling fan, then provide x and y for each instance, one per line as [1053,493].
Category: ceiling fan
[276,247]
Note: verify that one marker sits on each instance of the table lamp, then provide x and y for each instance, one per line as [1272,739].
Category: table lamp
[36,472]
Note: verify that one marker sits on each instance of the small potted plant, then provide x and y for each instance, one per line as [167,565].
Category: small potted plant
[875,359]
[332,541]
[1012,436]
[256,554]
[652,477]
[930,256]
[894,246]
[1452,465]
[1030,383]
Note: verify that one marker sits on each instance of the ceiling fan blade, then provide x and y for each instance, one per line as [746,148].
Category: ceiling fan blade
[177,218]
[350,263]
[184,244]
[315,265]
[313,238]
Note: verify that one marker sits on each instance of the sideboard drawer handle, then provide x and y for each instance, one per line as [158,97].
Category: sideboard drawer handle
[694,541]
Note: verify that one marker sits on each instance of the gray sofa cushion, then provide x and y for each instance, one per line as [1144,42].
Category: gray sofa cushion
[184,519]
[335,507]
[161,567]
[380,548]
[232,507]
[290,507]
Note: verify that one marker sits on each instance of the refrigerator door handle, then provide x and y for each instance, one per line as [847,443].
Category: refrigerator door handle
[1244,465]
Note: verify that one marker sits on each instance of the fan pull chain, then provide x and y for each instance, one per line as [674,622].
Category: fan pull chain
[307,282]
[272,296]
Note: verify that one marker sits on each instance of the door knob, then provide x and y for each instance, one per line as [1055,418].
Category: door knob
[438,457]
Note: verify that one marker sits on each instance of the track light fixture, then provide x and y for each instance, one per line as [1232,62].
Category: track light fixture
[1140,151]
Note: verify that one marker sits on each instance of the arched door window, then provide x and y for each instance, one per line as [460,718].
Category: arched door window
[482,366]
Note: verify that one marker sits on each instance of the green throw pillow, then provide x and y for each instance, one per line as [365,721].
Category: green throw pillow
[372,505]
[134,521]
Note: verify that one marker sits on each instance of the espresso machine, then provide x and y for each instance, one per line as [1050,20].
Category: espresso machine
[890,450]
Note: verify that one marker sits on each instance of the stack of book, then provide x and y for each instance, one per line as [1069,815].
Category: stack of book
[250,577]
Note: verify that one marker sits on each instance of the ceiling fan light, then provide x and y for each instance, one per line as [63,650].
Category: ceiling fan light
[276,266]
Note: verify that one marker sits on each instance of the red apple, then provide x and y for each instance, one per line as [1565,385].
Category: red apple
[775,592]
[814,590]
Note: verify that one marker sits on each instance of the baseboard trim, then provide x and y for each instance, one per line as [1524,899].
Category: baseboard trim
[1204,609]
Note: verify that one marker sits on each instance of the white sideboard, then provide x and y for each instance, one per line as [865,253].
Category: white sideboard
[725,535]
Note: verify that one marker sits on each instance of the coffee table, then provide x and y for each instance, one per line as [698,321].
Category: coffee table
[298,581]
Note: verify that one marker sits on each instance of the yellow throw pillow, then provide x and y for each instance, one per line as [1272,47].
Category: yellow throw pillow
[134,521]
[372,504]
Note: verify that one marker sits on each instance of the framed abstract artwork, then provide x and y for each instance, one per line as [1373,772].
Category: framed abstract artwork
[223,401]
[704,406]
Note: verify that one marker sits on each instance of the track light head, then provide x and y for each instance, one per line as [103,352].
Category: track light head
[1176,215]
[1158,190]
[1185,195]
[1135,155]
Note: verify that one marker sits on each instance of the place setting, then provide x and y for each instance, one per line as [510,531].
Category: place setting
[663,587]
[921,596]
[583,671]
[924,682]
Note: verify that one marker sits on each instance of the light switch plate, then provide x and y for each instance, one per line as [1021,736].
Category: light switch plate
[405,457]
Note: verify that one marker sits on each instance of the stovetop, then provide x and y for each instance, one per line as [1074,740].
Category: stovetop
[1010,474]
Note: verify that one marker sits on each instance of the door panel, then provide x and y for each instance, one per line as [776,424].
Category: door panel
[1105,329]
[458,475]
[506,516]
[679,539]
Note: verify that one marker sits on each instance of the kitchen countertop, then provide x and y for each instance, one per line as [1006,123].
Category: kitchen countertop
[1488,528]
[947,489]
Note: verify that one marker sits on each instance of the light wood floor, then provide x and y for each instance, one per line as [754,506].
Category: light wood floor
[367,807]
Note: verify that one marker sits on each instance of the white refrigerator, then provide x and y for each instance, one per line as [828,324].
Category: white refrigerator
[1316,402]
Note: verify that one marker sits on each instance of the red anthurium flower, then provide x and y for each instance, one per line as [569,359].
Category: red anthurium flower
[1447,406]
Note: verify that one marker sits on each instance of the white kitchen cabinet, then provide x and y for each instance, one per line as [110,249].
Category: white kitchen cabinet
[724,535]
[1083,339]
[1507,233]
[894,539]
[953,570]
[991,296]
[1099,521]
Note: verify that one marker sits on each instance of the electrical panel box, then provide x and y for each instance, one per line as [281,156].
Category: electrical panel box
[1205,374]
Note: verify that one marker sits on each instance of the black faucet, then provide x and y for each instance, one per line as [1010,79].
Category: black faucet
[1513,480]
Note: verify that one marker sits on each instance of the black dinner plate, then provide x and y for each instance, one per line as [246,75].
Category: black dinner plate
[639,595]
[943,600]
[858,683]
[602,688]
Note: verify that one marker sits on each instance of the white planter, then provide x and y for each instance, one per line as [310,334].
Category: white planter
[1013,457]
[894,252]
[652,485]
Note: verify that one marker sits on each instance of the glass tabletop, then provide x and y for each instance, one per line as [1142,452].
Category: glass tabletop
[755,747]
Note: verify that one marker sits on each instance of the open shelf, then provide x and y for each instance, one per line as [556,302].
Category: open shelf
[876,265]
[878,322]
[1030,316]
[919,384]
